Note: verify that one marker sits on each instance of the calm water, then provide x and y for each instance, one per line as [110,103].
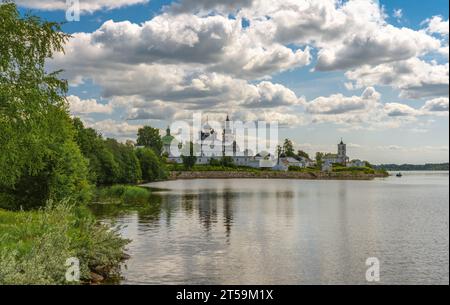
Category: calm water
[290,231]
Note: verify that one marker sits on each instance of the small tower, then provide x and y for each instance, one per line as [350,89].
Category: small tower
[342,152]
[227,139]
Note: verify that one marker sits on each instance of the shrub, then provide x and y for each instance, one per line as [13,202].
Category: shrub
[125,194]
[34,246]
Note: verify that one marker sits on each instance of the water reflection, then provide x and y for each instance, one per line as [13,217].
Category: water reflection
[288,231]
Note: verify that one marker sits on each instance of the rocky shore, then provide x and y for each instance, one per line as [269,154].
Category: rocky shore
[176,175]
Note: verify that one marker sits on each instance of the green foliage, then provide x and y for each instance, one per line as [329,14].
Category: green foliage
[319,159]
[152,167]
[302,154]
[190,159]
[129,168]
[34,246]
[109,161]
[293,168]
[125,194]
[339,168]
[150,138]
[223,162]
[36,135]
[288,148]
[215,162]
[414,167]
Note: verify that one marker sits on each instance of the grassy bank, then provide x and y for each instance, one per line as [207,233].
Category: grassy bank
[123,194]
[35,245]
[209,171]
[274,175]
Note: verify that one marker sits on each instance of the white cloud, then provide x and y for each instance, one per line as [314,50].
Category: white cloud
[437,105]
[89,106]
[380,45]
[339,104]
[189,59]
[414,78]
[398,13]
[115,129]
[437,25]
[85,5]
[212,43]
[397,110]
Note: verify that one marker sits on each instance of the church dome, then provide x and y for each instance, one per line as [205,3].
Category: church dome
[168,138]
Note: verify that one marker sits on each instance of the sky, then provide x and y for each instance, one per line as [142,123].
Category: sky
[374,73]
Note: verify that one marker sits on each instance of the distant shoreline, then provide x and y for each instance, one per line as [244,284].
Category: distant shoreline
[186,175]
[414,167]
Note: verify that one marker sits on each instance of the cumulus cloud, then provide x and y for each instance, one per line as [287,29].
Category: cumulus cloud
[436,105]
[339,104]
[213,43]
[121,130]
[437,25]
[89,106]
[219,56]
[397,110]
[381,45]
[414,78]
[85,6]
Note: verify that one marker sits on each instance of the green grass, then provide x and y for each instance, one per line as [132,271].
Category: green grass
[311,170]
[354,170]
[124,194]
[35,245]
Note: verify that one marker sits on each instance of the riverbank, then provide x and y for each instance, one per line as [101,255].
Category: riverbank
[179,175]
[39,247]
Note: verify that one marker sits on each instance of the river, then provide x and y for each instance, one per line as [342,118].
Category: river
[251,231]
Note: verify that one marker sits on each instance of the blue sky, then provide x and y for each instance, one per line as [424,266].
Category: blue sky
[384,91]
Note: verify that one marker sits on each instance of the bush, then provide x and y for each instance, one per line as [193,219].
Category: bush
[354,170]
[125,194]
[64,175]
[34,246]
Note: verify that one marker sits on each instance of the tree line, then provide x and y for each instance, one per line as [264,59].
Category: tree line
[44,153]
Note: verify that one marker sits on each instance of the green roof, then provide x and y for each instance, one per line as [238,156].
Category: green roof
[167,140]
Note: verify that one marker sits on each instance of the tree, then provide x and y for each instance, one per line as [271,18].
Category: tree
[319,158]
[190,159]
[150,138]
[109,161]
[302,154]
[37,151]
[279,152]
[152,167]
[227,161]
[288,148]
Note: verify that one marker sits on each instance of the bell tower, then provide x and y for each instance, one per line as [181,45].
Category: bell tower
[342,151]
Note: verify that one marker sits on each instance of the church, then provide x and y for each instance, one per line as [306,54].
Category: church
[216,144]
